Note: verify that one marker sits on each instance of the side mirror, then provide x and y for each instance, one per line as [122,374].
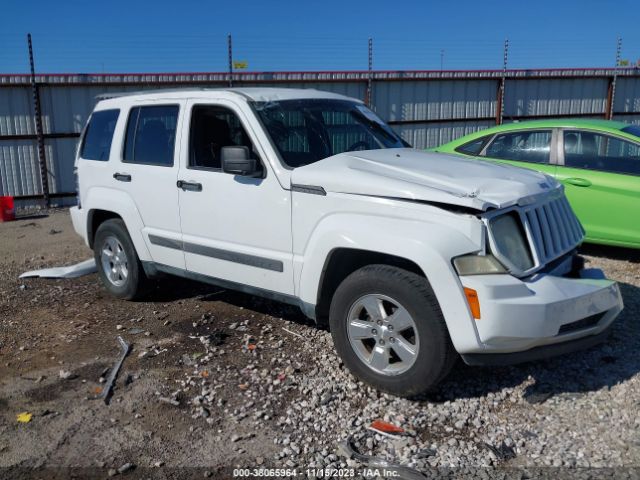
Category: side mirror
[236,160]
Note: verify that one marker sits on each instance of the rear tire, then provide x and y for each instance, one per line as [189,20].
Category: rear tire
[118,264]
[403,347]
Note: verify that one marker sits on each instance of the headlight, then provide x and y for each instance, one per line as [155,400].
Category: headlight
[510,241]
[478,265]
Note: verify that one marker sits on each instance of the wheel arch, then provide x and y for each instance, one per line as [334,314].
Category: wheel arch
[95,218]
[105,203]
[342,262]
[425,248]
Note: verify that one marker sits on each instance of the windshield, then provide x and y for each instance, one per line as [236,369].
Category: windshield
[308,130]
[633,130]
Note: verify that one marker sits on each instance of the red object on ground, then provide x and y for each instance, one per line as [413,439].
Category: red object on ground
[386,427]
[7,210]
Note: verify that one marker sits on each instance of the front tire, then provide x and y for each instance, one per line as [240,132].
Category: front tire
[387,326]
[118,264]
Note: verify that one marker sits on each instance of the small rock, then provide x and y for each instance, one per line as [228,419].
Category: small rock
[126,467]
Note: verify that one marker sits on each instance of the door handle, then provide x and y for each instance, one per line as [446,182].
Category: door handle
[122,177]
[579,182]
[189,186]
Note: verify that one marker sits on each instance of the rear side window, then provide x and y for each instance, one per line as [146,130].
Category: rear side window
[96,144]
[151,135]
[594,151]
[533,146]
[474,147]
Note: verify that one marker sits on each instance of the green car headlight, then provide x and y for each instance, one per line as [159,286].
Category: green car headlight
[478,265]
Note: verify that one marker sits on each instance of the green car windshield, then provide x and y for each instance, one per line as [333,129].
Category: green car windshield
[633,130]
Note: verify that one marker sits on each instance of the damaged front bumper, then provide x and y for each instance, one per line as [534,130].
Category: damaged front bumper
[523,320]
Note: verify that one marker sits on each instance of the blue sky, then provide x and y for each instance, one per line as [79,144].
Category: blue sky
[170,36]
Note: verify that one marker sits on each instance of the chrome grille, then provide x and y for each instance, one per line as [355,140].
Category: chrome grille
[553,229]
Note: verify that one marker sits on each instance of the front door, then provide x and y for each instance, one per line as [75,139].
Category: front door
[524,148]
[234,228]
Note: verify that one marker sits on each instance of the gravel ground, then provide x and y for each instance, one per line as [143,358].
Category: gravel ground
[218,379]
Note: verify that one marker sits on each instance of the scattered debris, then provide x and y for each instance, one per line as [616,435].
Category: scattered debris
[293,333]
[394,470]
[54,231]
[66,375]
[216,338]
[171,401]
[426,453]
[24,417]
[106,391]
[72,271]
[380,426]
[125,468]
[136,331]
[502,451]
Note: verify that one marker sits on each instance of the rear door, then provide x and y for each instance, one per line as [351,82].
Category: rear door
[148,171]
[524,148]
[601,175]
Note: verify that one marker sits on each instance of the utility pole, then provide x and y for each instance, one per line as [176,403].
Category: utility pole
[503,80]
[612,89]
[370,73]
[230,49]
[42,160]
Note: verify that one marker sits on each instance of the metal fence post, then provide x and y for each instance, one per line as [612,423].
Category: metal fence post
[611,97]
[370,74]
[230,53]
[503,81]
[42,160]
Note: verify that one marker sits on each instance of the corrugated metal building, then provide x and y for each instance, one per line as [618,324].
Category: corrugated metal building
[426,107]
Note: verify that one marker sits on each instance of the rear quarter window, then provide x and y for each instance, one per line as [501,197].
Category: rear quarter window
[474,147]
[96,144]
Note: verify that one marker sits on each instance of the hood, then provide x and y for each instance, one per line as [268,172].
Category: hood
[425,176]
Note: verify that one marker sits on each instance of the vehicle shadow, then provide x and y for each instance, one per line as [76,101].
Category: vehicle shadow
[176,288]
[573,374]
[569,375]
[616,253]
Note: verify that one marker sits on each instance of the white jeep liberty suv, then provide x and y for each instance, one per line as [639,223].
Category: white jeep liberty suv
[307,197]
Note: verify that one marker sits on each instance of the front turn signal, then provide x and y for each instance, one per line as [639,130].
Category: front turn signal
[472,300]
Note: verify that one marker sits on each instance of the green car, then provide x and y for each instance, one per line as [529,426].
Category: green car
[598,162]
